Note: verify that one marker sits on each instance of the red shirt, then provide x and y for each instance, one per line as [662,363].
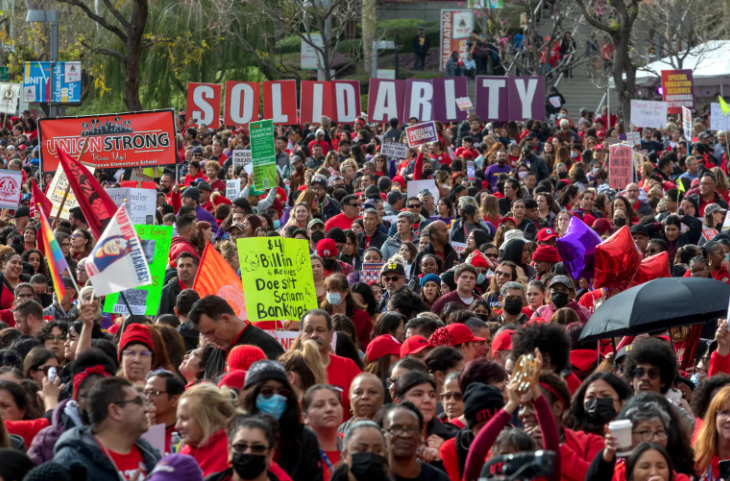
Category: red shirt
[460,152]
[334,458]
[324,145]
[129,464]
[341,221]
[213,457]
[363,326]
[189,178]
[218,186]
[340,373]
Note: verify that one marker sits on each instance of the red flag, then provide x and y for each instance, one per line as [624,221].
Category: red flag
[38,197]
[95,203]
[216,277]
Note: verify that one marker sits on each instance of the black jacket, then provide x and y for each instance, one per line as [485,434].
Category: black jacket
[419,49]
[169,295]
[449,253]
[251,335]
[377,240]
[330,209]
[228,474]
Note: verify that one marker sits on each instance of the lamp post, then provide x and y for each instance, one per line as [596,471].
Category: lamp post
[37,15]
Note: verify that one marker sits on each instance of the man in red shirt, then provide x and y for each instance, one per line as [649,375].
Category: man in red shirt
[316,326]
[467,145]
[111,448]
[350,210]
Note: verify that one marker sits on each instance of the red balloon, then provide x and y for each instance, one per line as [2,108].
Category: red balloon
[651,268]
[616,261]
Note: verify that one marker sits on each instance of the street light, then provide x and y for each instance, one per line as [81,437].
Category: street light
[37,15]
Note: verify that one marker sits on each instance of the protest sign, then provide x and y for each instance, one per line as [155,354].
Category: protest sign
[612,141]
[280,101]
[464,103]
[620,166]
[678,90]
[646,113]
[9,95]
[420,134]
[141,204]
[633,138]
[242,102]
[370,272]
[459,247]
[118,261]
[134,139]
[242,158]
[56,191]
[415,187]
[204,104]
[216,277]
[709,233]
[155,241]
[285,338]
[718,120]
[638,160]
[687,123]
[726,223]
[278,283]
[10,184]
[394,150]
[233,189]
[263,154]
[435,99]
[470,174]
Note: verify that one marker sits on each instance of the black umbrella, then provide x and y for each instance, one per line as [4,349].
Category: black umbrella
[658,304]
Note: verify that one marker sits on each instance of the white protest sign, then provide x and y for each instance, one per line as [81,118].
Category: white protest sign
[141,203]
[9,95]
[309,56]
[647,113]
[56,191]
[394,150]
[415,187]
[10,184]
[241,158]
[718,120]
[233,188]
[155,435]
[687,123]
[464,104]
[633,138]
[285,338]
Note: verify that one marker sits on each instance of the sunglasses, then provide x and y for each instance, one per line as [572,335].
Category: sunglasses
[640,372]
[391,279]
[414,206]
[267,392]
[457,396]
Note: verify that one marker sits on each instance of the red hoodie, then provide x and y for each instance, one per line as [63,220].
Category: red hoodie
[577,453]
[177,247]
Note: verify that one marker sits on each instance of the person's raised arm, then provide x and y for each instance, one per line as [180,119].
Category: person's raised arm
[86,315]
[720,360]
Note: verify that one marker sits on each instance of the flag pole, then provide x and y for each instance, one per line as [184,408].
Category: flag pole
[68,186]
[126,303]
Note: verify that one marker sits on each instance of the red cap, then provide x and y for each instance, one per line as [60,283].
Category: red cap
[326,248]
[479,261]
[135,334]
[546,234]
[460,334]
[546,253]
[413,345]
[400,180]
[241,357]
[502,341]
[601,226]
[221,199]
[234,379]
[599,147]
[384,345]
[467,155]
[504,219]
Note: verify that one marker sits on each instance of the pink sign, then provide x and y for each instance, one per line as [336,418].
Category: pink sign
[420,134]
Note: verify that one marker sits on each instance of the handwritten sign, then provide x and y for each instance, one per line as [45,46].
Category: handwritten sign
[10,184]
[420,134]
[416,187]
[687,123]
[718,120]
[233,188]
[277,278]
[56,191]
[620,166]
[394,150]
[141,204]
[647,113]
[464,104]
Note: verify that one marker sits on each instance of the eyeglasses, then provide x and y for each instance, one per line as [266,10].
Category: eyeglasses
[457,396]
[267,392]
[640,372]
[492,256]
[142,354]
[414,206]
[56,338]
[138,400]
[65,244]
[401,431]
[648,436]
[254,448]
[45,369]
[150,393]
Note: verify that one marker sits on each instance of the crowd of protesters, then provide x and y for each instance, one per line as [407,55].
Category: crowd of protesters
[402,373]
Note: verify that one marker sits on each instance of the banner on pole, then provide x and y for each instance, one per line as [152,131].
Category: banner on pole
[420,134]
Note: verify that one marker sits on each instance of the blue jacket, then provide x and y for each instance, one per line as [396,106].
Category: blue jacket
[78,444]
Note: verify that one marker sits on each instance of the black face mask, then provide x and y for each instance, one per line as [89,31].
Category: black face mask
[368,466]
[563,175]
[513,306]
[560,299]
[249,466]
[329,264]
[484,317]
[619,221]
[600,410]
[427,172]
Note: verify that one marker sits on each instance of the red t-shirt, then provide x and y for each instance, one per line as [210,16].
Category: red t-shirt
[128,464]
[340,373]
[341,221]
[218,186]
[334,458]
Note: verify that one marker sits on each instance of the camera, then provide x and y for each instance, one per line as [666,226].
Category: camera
[519,466]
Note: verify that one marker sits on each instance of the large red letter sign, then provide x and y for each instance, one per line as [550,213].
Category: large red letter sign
[280,101]
[385,100]
[204,104]
[242,103]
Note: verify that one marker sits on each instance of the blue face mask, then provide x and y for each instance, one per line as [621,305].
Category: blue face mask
[481,278]
[273,406]
[277,224]
[727,257]
[596,169]
[574,155]
[334,298]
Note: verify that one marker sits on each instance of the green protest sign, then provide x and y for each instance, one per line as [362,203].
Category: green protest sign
[278,283]
[263,154]
[156,240]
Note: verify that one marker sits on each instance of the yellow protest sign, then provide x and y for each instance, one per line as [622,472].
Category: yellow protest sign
[277,278]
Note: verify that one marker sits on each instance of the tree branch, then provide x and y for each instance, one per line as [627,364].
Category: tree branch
[98,19]
[104,51]
[116,14]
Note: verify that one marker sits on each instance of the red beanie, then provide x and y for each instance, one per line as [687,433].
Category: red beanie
[546,253]
[326,248]
[136,334]
[234,379]
[479,261]
[241,357]
[400,180]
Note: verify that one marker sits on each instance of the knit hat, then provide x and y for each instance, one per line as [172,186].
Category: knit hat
[479,261]
[546,253]
[135,334]
[337,235]
[192,192]
[448,279]
[400,180]
[326,248]
[234,379]
[382,346]
[430,277]
[15,464]
[241,357]
[481,403]
[502,342]
[601,226]
[51,471]
[414,345]
[266,370]
[176,467]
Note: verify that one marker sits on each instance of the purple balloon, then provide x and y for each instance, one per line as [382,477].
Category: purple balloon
[577,248]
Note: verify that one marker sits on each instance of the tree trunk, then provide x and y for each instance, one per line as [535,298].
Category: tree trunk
[133,55]
[626,88]
[369,19]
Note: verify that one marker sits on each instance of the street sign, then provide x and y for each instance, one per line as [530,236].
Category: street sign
[66,82]
[4,74]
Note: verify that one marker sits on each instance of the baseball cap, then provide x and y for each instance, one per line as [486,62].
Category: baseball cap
[393,268]
[237,226]
[564,280]
[502,341]
[319,179]
[413,345]
[505,219]
[460,334]
[314,222]
[546,234]
[713,207]
[326,248]
[384,345]
[337,235]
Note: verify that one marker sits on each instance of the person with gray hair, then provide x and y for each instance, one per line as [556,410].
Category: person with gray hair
[512,298]
[404,233]
[469,219]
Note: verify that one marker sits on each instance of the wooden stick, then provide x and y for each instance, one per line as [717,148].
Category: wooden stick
[68,186]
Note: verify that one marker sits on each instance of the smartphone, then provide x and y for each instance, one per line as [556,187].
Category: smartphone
[52,374]
[725,469]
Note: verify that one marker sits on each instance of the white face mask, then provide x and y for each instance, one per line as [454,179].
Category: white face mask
[334,298]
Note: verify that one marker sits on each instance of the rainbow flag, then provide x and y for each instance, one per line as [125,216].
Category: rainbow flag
[54,256]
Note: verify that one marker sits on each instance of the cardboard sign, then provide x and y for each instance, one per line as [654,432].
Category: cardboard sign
[718,120]
[263,154]
[141,204]
[420,134]
[277,278]
[11,182]
[233,188]
[204,104]
[464,103]
[633,138]
[155,240]
[687,123]
[57,189]
[310,58]
[678,90]
[415,187]
[394,150]
[434,99]
[709,233]
[646,113]
[135,139]
[620,166]
[370,272]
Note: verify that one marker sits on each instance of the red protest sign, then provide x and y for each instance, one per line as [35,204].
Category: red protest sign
[619,168]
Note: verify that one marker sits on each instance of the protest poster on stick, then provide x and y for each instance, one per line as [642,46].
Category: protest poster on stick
[394,150]
[620,166]
[420,134]
[647,113]
[687,123]
[263,154]
[278,283]
[678,90]
[464,104]
[633,138]
[233,189]
[240,158]
[718,119]
[141,204]
[10,184]
[370,272]
[155,240]
[57,190]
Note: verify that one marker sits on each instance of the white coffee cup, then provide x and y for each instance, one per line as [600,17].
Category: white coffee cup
[622,430]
